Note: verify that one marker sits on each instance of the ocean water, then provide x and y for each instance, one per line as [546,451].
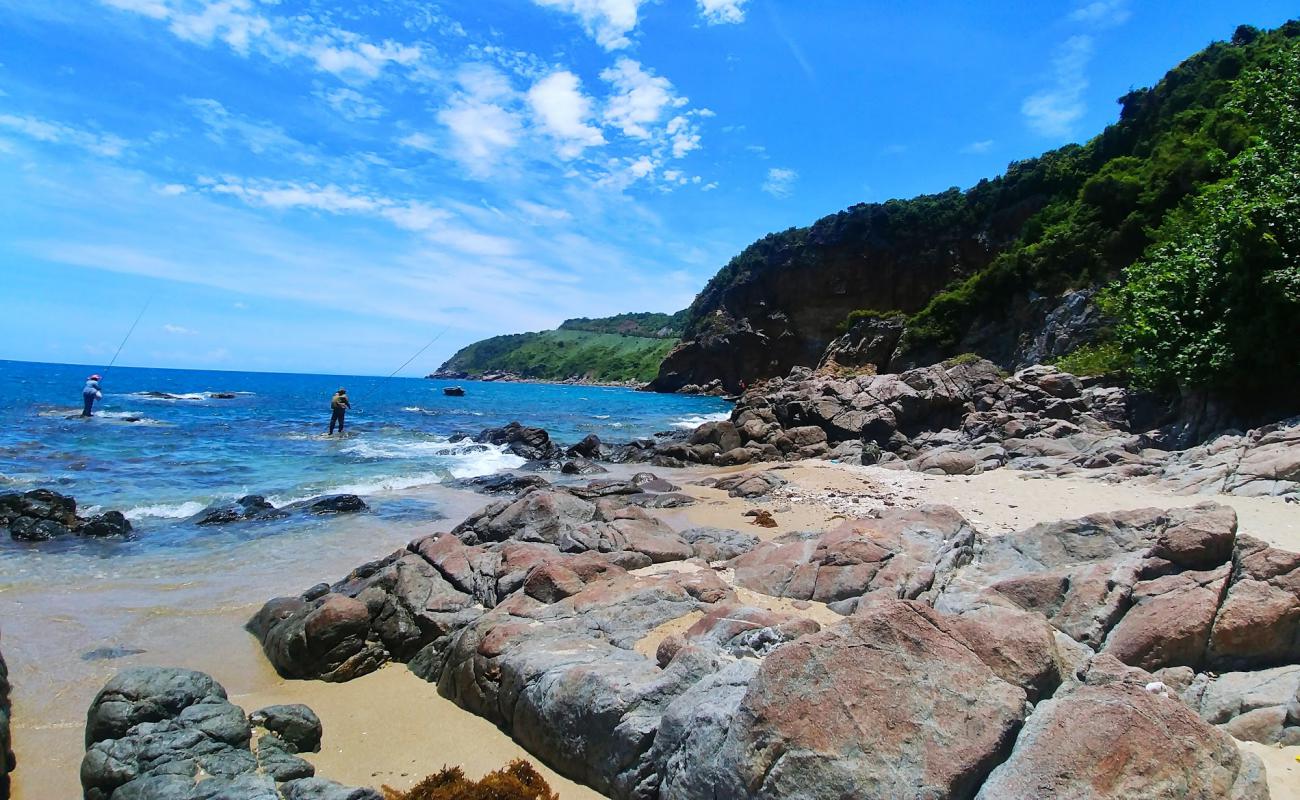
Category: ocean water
[160,448]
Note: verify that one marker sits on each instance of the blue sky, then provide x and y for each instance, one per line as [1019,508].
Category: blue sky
[317,186]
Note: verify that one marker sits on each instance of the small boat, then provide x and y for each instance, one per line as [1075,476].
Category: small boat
[453,391]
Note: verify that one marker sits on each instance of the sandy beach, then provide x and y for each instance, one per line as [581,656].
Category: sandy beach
[392,728]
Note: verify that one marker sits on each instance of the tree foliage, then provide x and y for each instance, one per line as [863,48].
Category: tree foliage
[1215,301]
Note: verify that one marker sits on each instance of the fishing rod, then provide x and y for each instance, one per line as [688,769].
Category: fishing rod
[138,317]
[418,353]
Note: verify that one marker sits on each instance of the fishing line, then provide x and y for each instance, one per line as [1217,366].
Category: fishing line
[419,353]
[139,317]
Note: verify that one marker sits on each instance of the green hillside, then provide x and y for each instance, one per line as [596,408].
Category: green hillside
[565,353]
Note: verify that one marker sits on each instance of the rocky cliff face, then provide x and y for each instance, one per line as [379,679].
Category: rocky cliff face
[779,303]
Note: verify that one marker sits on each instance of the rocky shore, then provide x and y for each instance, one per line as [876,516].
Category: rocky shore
[511,377]
[898,652]
[966,416]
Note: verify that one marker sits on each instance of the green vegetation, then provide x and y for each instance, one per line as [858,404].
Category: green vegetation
[1116,190]
[1215,301]
[867,313]
[562,354]
[648,325]
[1101,358]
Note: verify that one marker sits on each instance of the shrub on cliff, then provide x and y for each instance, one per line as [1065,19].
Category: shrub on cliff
[1215,302]
[518,780]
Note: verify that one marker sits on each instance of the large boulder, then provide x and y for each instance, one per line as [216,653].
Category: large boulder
[565,680]
[1261,706]
[1083,574]
[903,552]
[1258,624]
[889,704]
[1117,741]
[532,444]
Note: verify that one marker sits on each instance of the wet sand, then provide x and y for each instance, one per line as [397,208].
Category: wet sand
[391,727]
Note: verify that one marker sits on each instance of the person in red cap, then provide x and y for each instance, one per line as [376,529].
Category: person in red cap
[90,393]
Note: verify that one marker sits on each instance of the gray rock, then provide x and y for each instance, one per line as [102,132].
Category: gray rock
[719,544]
[156,733]
[296,725]
[276,758]
[1120,741]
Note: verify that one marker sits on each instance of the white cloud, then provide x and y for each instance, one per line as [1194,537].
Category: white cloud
[358,58]
[351,104]
[642,167]
[224,125]
[481,133]
[780,181]
[240,25]
[434,224]
[977,148]
[419,141]
[101,144]
[172,189]
[684,135]
[717,12]
[641,98]
[564,112]
[539,212]
[178,330]
[329,198]
[1054,111]
[607,21]
[1102,13]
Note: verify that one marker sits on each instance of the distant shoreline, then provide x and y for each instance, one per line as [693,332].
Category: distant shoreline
[504,378]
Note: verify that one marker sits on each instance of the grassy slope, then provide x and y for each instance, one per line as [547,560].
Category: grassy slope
[562,354]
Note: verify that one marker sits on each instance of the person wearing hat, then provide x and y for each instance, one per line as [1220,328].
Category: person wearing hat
[90,393]
[339,406]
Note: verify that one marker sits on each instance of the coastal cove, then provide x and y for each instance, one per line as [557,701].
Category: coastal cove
[981,493]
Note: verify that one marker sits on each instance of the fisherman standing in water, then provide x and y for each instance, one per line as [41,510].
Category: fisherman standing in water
[89,394]
[339,406]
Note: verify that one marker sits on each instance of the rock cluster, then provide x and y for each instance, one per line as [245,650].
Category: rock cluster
[533,444]
[256,507]
[1091,657]
[42,514]
[157,733]
[966,416]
